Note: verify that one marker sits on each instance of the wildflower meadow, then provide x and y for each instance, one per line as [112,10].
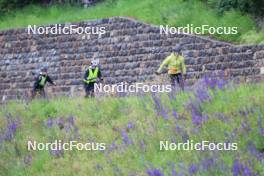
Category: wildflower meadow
[132,127]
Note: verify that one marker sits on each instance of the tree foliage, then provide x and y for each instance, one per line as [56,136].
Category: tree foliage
[255,7]
[8,5]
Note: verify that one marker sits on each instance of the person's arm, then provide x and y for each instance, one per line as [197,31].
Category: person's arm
[50,80]
[183,66]
[99,73]
[164,63]
[86,74]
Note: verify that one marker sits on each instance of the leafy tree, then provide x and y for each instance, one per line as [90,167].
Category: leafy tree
[255,7]
[8,5]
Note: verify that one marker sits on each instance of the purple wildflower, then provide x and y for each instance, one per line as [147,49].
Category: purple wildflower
[196,111]
[246,126]
[247,171]
[130,125]
[253,151]
[157,102]
[164,114]
[49,122]
[76,129]
[60,123]
[261,128]
[173,171]
[180,174]
[154,172]
[172,96]
[207,163]
[175,114]
[221,83]
[27,159]
[193,169]
[112,146]
[71,120]
[261,132]
[67,128]
[236,168]
[197,119]
[12,127]
[213,82]
[240,169]
[142,145]
[233,134]
[185,137]
[178,129]
[125,138]
[160,110]
[195,130]
[210,82]
[56,153]
[8,136]
[11,130]
[243,113]
[202,94]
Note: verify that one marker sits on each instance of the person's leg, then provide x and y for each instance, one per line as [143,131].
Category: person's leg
[180,81]
[91,90]
[33,93]
[86,88]
[43,93]
[36,92]
[172,80]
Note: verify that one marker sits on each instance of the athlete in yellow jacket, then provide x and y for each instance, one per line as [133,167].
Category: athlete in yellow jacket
[176,68]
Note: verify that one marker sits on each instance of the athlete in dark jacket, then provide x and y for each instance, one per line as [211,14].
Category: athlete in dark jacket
[40,83]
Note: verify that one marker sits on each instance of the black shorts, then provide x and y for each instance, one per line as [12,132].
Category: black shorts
[176,77]
[37,87]
[89,87]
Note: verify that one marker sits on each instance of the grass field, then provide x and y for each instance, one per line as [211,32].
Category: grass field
[172,12]
[132,128]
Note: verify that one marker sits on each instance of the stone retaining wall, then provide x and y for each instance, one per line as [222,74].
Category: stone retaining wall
[129,51]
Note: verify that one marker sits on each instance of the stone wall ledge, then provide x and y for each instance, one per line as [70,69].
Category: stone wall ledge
[130,51]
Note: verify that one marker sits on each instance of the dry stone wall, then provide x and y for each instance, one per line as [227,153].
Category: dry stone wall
[129,51]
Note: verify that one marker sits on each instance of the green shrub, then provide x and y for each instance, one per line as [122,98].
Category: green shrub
[7,6]
[255,7]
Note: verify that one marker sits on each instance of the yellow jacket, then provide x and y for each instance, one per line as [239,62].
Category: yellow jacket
[175,64]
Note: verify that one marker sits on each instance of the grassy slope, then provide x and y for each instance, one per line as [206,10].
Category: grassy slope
[172,12]
[104,119]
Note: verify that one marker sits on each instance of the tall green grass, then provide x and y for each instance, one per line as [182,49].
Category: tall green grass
[171,12]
